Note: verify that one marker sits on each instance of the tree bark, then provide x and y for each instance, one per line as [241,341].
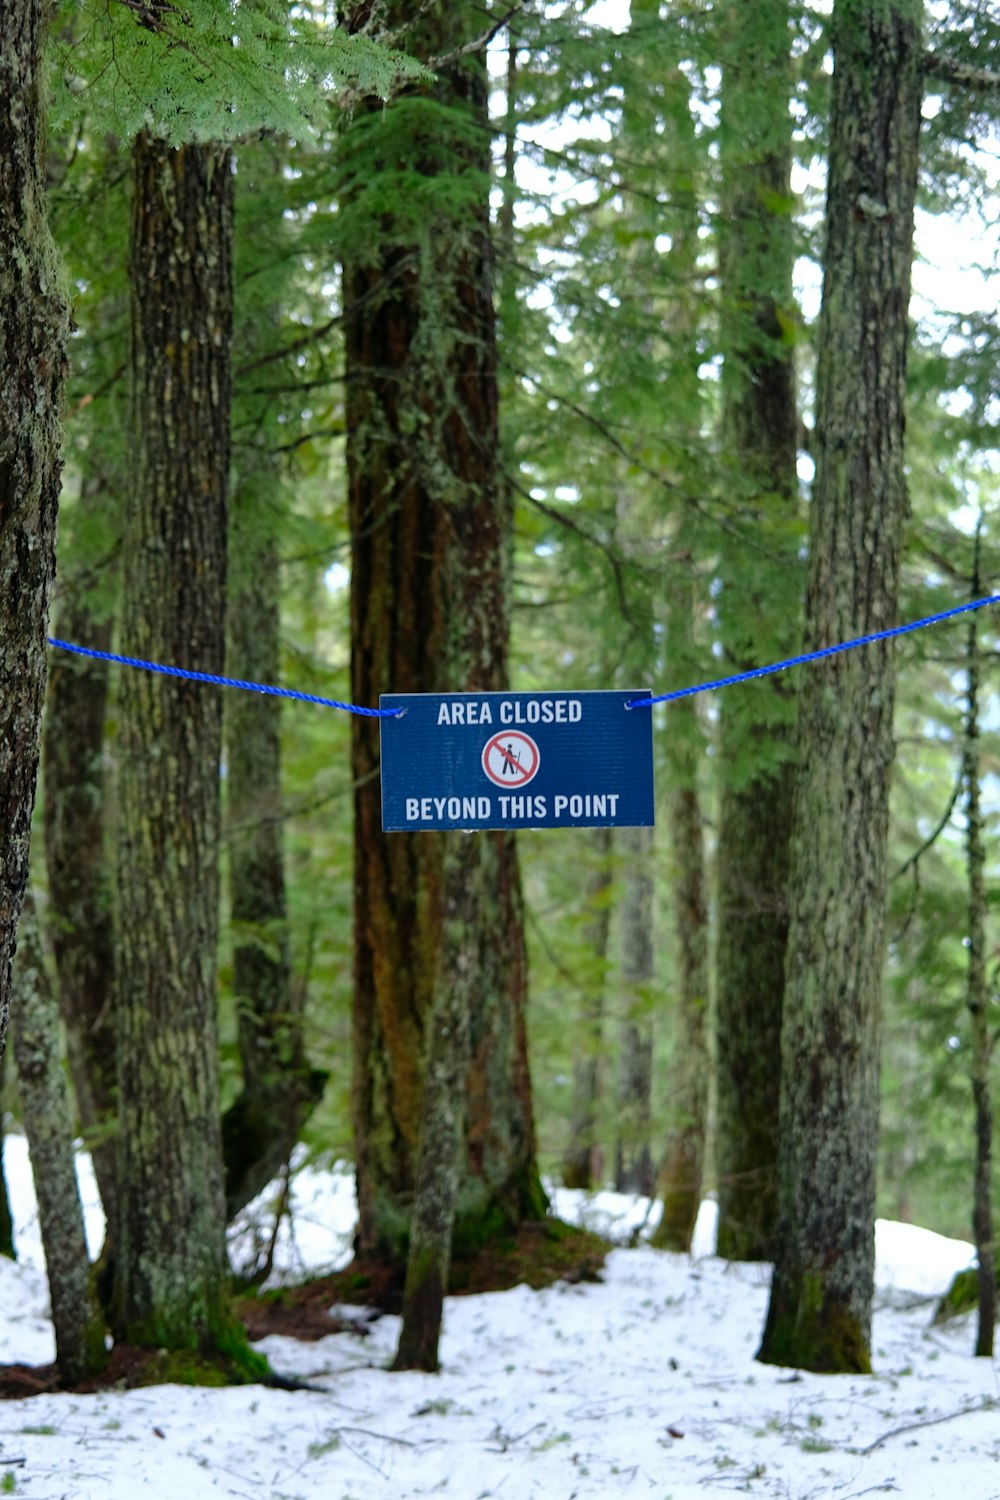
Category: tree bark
[438,1168]
[681,1174]
[977,992]
[579,1160]
[759,572]
[48,1123]
[80,882]
[33,335]
[431,536]
[819,1316]
[634,1171]
[261,1126]
[7,1248]
[171,1272]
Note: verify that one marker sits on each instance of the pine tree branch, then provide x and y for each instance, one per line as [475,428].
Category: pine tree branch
[966,75]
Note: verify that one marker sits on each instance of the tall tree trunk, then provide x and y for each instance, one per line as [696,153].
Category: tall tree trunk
[758,613]
[431,534]
[80,882]
[634,1171]
[682,1170]
[977,990]
[33,334]
[48,1123]
[262,1125]
[171,1271]
[579,1159]
[819,1316]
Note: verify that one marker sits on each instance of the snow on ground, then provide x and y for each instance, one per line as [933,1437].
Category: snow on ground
[643,1385]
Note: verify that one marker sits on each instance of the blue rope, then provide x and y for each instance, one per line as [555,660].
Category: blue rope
[233,682]
[795,661]
[397,713]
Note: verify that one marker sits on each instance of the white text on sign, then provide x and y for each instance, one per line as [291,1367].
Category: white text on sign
[536,711]
[473,810]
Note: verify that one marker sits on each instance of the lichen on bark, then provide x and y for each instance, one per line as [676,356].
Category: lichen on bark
[819,1315]
[171,1286]
[34,328]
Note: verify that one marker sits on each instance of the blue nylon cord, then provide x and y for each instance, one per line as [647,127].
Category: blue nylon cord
[795,661]
[396,713]
[233,682]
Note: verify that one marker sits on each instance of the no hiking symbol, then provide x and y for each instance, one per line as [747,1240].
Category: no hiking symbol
[516,760]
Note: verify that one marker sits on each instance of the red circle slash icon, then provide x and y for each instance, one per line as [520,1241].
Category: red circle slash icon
[510,758]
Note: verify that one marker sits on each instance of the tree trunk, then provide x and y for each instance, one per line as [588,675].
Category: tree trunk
[80,916]
[977,992]
[33,335]
[171,1271]
[819,1316]
[759,573]
[446,1065]
[262,1125]
[431,534]
[633,1095]
[682,1171]
[6,1217]
[48,1124]
[579,1169]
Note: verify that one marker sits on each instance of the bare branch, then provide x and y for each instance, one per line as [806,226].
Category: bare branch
[966,75]
[478,44]
[967,1411]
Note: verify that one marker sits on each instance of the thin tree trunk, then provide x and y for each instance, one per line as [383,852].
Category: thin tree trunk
[682,1171]
[33,336]
[633,1094]
[431,538]
[171,1272]
[579,1161]
[758,570]
[48,1124]
[80,882]
[819,1315]
[6,1217]
[439,1158]
[977,991]
[261,1127]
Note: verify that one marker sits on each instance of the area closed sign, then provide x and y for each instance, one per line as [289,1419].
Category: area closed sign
[516,760]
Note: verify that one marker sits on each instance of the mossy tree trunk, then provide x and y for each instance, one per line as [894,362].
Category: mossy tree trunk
[819,1316]
[977,989]
[758,613]
[579,1169]
[171,1272]
[33,335]
[48,1123]
[431,536]
[439,1157]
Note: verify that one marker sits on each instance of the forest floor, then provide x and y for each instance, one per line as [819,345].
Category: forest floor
[640,1383]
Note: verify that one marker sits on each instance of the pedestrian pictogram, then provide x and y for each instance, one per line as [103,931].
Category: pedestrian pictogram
[510,759]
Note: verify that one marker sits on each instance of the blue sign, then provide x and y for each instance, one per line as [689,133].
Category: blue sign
[516,760]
